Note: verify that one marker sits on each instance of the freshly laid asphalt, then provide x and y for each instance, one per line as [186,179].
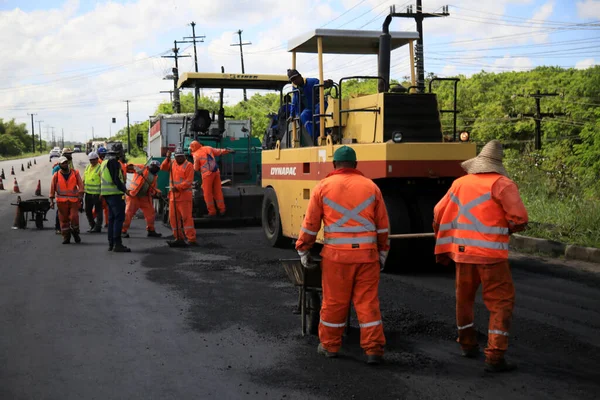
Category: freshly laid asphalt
[216,322]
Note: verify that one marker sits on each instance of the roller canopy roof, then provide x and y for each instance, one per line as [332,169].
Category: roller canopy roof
[339,41]
[232,81]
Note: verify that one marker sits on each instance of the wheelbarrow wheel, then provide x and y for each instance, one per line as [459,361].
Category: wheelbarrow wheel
[314,315]
[39,220]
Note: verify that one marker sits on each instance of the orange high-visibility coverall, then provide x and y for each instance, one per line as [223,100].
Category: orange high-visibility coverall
[68,193]
[181,177]
[204,161]
[472,224]
[355,230]
[141,189]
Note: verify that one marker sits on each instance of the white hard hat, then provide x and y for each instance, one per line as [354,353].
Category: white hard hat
[287,89]
[154,163]
[93,156]
[62,159]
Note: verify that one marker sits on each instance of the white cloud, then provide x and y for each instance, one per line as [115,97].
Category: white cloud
[588,9]
[512,63]
[585,64]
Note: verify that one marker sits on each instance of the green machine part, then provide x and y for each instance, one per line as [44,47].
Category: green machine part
[245,163]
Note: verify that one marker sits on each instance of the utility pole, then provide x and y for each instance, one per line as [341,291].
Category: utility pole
[93,133]
[194,37]
[539,115]
[242,44]
[171,96]
[53,138]
[419,16]
[40,130]
[175,92]
[63,138]
[32,133]
[128,135]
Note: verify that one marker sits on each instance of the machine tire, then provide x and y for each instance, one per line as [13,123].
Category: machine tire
[39,220]
[399,223]
[271,220]
[314,316]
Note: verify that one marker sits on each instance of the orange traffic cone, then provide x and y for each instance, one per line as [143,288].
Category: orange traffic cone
[16,187]
[38,190]
[1,184]
[12,170]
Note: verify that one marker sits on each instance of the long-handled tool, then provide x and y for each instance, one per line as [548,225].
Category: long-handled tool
[174,207]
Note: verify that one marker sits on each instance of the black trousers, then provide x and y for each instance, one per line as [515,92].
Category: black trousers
[93,202]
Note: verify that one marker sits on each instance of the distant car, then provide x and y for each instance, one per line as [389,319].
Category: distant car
[77,149]
[55,152]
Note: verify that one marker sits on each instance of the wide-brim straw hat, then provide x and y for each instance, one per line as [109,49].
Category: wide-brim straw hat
[489,160]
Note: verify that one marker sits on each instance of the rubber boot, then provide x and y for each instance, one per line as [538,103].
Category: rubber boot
[177,243]
[75,232]
[501,366]
[154,234]
[471,353]
[119,248]
[66,238]
[322,351]
[374,359]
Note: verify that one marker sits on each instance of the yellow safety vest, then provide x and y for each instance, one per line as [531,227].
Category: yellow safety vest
[91,179]
[107,186]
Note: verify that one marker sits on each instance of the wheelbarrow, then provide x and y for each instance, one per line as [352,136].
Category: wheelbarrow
[37,208]
[308,282]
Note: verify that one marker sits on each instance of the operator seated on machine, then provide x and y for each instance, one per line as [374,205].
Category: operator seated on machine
[303,105]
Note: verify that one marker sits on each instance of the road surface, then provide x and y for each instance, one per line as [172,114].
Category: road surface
[215,322]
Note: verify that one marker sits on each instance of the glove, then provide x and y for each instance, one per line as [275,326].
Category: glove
[80,206]
[168,155]
[328,84]
[382,257]
[306,260]
[231,151]
[52,203]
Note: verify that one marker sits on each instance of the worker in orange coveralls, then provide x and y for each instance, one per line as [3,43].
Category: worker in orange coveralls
[181,178]
[142,189]
[355,248]
[67,188]
[472,224]
[204,161]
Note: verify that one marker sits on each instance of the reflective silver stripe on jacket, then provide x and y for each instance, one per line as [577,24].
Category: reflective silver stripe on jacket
[460,328]
[475,225]
[347,215]
[331,325]
[351,240]
[303,229]
[497,332]
[473,242]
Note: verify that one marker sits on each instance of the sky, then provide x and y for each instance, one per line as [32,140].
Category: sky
[73,63]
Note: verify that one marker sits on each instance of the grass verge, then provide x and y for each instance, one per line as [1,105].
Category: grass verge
[22,156]
[574,222]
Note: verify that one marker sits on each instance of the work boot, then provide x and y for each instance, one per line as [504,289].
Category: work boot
[193,243]
[76,235]
[322,351]
[66,238]
[154,234]
[111,247]
[97,229]
[119,248]
[177,243]
[500,366]
[125,235]
[374,359]
[471,353]
[92,228]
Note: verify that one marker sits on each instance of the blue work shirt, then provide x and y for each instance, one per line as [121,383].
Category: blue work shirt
[306,102]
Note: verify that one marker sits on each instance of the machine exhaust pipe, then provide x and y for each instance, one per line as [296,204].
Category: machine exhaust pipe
[383,59]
